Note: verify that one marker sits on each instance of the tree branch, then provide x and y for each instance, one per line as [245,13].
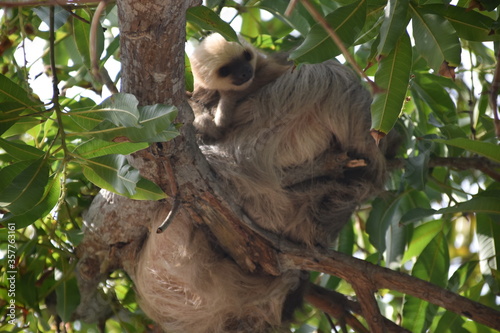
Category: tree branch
[340,306]
[355,271]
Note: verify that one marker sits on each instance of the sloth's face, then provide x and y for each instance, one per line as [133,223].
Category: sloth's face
[239,72]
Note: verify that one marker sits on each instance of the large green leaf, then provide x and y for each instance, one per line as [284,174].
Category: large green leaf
[394,25]
[14,100]
[119,118]
[113,173]
[60,15]
[486,149]
[155,126]
[20,151]
[81,35]
[429,89]
[95,147]
[114,170]
[432,265]
[451,322]
[347,21]
[469,24]
[487,202]
[119,110]
[42,209]
[392,75]
[68,298]
[488,239]
[422,235]
[206,19]
[435,38]
[298,18]
[26,189]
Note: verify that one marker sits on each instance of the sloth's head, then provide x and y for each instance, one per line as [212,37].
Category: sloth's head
[221,65]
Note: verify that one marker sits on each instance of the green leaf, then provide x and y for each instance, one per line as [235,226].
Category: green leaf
[14,100]
[430,89]
[488,239]
[432,265]
[392,75]
[144,189]
[41,210]
[11,171]
[393,26]
[81,35]
[486,149]
[382,215]
[470,24]
[26,189]
[115,171]
[435,39]
[155,125]
[459,279]
[298,18]
[347,21]
[96,147]
[68,298]
[478,204]
[119,109]
[206,19]
[451,322]
[422,235]
[20,151]
[250,22]
[60,15]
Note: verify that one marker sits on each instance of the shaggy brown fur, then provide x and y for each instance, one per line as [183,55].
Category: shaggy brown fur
[290,124]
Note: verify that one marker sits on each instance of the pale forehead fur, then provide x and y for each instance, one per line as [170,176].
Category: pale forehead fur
[213,53]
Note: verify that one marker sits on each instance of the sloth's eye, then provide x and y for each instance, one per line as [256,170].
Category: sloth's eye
[247,55]
[224,71]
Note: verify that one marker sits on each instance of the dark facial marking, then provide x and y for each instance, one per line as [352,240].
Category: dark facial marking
[225,71]
[240,70]
[247,55]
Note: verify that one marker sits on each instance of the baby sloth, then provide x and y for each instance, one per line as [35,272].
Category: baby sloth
[224,73]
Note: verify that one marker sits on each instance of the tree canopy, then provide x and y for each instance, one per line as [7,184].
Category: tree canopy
[433,71]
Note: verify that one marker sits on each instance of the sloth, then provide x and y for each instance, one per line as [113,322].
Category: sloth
[225,72]
[297,151]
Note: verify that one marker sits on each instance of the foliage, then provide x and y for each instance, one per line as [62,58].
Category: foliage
[437,221]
